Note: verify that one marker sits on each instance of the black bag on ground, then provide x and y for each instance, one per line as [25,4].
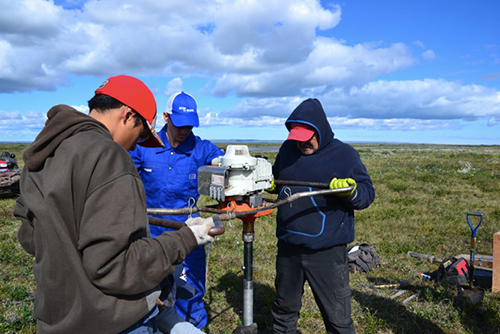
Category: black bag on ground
[362,257]
[454,270]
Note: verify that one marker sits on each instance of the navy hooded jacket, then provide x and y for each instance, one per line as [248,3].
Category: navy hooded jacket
[322,221]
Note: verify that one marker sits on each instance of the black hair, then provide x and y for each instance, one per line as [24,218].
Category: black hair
[102,103]
[139,118]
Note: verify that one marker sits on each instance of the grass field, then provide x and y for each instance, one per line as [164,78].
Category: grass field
[422,195]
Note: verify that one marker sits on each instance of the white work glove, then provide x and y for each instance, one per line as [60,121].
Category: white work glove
[200,228]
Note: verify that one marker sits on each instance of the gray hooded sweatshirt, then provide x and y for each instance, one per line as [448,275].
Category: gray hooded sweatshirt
[83,214]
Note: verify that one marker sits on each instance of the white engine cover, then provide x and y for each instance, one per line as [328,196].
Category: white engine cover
[237,172]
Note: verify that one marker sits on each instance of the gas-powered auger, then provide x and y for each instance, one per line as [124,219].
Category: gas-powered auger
[237,181]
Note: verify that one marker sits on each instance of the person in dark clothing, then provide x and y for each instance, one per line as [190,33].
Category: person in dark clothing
[313,233]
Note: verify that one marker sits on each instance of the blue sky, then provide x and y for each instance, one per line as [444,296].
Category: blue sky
[421,71]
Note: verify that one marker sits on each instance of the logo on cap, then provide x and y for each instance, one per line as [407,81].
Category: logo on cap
[186,109]
[103,84]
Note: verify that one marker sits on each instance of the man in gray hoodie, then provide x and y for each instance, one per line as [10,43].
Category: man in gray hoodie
[83,214]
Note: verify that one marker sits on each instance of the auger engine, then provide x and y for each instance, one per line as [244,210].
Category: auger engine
[236,174]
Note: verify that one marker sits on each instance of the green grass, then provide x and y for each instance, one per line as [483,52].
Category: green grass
[17,284]
[422,195]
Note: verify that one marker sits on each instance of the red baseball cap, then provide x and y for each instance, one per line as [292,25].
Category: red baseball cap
[300,132]
[135,94]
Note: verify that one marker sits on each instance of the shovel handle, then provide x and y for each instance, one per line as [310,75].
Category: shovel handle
[472,228]
[473,242]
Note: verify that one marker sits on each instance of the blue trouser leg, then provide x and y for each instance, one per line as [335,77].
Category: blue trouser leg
[167,319]
[193,309]
[327,273]
[147,325]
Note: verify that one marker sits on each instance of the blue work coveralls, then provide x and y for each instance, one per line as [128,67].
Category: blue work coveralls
[170,177]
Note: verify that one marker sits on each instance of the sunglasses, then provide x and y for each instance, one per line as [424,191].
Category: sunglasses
[145,132]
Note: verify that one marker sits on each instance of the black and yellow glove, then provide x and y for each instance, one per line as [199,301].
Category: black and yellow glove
[343,183]
[272,188]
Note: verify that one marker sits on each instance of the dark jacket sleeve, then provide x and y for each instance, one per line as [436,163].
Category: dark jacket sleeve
[365,192]
[117,254]
[275,170]
[26,230]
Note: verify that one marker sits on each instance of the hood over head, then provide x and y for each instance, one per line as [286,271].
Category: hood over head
[310,113]
[62,122]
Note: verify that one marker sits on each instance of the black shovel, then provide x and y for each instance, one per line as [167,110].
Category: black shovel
[471,294]
[473,242]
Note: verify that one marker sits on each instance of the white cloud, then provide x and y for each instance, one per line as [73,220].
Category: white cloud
[173,86]
[406,101]
[391,124]
[338,123]
[6,116]
[82,108]
[30,18]
[493,121]
[329,63]
[15,126]
[428,55]
[271,57]
[214,119]
[420,44]
[420,99]
[226,40]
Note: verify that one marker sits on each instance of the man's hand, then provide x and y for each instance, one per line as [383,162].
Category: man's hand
[343,183]
[272,188]
[200,228]
[160,304]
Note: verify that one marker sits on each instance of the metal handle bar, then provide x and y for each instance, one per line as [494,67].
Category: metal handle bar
[218,229]
[224,214]
[302,183]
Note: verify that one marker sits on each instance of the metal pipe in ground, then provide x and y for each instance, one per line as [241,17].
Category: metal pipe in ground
[248,279]
[248,236]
